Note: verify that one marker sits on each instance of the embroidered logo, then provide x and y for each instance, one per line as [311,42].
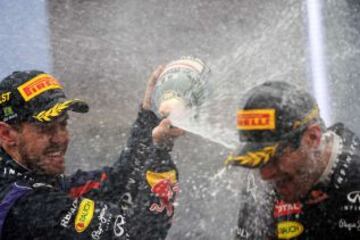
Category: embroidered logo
[164,185]
[85,215]
[4,97]
[284,209]
[54,111]
[38,85]
[253,159]
[289,229]
[354,197]
[258,119]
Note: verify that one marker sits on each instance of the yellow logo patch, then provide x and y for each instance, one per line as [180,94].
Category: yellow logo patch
[38,85]
[289,229]
[4,97]
[154,178]
[258,119]
[56,110]
[253,159]
[84,215]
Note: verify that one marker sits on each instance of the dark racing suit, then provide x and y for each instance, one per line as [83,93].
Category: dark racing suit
[330,211]
[130,200]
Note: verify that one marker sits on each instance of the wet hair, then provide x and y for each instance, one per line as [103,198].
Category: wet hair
[17,125]
[294,139]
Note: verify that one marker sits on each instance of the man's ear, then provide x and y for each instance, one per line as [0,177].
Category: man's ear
[312,135]
[7,134]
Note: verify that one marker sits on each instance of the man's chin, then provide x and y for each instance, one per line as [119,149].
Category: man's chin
[288,197]
[50,172]
[58,170]
[54,165]
[54,170]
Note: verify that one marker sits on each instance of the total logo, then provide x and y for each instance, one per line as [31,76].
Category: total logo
[284,209]
[289,229]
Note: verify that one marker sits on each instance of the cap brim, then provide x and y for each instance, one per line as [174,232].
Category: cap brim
[58,108]
[252,155]
[79,106]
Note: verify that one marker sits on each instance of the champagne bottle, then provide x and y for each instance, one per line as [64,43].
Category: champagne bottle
[181,88]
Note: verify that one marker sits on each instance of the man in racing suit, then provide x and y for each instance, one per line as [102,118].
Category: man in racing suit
[133,199]
[312,174]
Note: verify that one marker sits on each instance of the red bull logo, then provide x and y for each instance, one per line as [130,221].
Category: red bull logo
[165,187]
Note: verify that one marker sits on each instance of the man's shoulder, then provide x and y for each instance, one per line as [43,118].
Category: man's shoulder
[346,172]
[347,135]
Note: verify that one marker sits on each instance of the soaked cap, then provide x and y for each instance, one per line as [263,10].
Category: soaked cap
[273,113]
[34,96]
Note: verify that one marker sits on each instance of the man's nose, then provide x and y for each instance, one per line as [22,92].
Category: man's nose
[269,171]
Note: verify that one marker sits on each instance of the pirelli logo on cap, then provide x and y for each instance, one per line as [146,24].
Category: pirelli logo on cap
[38,85]
[256,119]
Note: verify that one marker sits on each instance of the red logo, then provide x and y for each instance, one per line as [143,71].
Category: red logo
[283,209]
[165,190]
[317,196]
[80,225]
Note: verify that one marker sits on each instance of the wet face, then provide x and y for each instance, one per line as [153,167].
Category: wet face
[41,147]
[292,173]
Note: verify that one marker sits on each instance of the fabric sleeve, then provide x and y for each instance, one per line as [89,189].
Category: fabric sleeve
[143,182]
[47,214]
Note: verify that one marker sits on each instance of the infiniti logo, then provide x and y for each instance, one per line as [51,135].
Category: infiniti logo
[354,197]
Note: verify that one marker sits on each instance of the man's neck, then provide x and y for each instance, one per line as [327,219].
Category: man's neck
[15,156]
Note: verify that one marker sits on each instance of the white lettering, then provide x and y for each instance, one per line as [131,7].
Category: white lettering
[251,185]
[354,196]
[65,221]
[102,220]
[126,201]
[118,226]
[349,225]
[241,232]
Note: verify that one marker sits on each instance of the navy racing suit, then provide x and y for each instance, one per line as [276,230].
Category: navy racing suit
[133,199]
[330,211]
